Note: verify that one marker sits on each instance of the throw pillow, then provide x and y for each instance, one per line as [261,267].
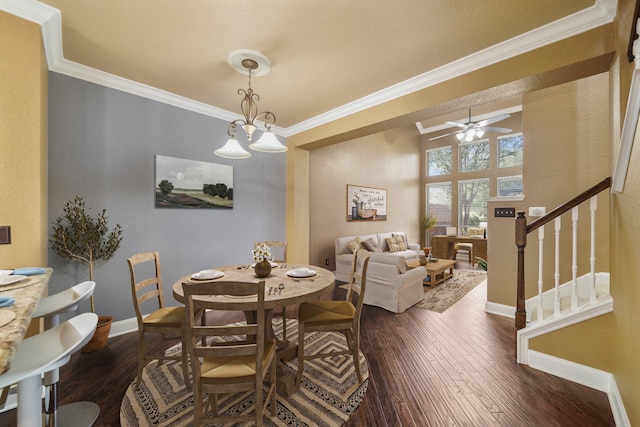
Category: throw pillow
[371,245]
[404,240]
[355,245]
[393,245]
[396,244]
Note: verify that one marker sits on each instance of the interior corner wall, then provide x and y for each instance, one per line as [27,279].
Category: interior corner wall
[23,142]
[102,147]
[566,151]
[389,160]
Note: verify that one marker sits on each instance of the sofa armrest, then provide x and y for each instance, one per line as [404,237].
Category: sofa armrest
[414,246]
[389,258]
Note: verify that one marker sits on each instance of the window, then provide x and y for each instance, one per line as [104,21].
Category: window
[439,161]
[510,150]
[439,205]
[474,156]
[510,186]
[472,203]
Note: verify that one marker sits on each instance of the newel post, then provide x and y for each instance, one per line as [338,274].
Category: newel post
[521,242]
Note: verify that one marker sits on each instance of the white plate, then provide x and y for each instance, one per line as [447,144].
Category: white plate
[207,275]
[273,265]
[293,273]
[11,279]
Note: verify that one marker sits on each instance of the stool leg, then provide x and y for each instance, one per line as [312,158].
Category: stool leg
[29,402]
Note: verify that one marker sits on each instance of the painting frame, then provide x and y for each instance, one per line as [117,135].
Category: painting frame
[192,184]
[366,203]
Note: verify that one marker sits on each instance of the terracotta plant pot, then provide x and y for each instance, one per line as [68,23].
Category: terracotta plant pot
[100,336]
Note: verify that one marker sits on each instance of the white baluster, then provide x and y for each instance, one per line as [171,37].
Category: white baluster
[593,206]
[556,274]
[574,259]
[540,263]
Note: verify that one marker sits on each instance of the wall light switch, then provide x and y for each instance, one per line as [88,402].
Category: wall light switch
[537,211]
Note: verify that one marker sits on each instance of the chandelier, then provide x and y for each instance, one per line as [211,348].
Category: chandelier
[267,143]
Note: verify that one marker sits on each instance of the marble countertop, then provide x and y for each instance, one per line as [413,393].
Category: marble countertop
[26,293]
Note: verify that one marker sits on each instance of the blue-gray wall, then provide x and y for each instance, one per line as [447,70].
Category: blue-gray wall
[102,144]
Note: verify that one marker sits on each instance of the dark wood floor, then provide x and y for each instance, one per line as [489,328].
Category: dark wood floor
[426,369]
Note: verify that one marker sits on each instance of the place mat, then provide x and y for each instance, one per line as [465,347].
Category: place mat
[30,280]
[6,317]
[328,396]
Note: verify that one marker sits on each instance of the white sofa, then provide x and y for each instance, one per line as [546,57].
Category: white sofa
[389,284]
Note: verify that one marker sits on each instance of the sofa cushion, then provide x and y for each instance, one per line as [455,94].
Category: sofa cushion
[404,239]
[396,244]
[371,245]
[354,245]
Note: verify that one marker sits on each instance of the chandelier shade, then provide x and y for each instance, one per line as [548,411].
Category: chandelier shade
[267,143]
[232,150]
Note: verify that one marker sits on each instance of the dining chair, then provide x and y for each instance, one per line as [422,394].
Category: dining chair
[235,358]
[282,249]
[167,322]
[336,316]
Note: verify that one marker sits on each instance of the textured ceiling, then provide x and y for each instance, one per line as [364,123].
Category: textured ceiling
[324,54]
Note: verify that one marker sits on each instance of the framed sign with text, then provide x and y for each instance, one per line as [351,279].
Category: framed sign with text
[366,203]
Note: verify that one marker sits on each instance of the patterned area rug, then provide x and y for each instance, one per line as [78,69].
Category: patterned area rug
[448,292]
[328,395]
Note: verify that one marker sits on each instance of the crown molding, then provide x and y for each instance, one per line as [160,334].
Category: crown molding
[601,13]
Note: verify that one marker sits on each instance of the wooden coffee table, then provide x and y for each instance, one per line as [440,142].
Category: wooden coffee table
[437,271]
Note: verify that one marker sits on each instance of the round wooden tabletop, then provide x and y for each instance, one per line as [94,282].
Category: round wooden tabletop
[280,288]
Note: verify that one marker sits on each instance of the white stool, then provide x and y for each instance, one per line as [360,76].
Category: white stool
[81,414]
[41,353]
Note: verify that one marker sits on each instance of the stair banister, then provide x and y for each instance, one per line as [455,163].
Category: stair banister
[522,229]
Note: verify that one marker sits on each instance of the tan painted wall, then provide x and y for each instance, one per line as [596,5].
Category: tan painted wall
[625,227]
[566,151]
[23,142]
[388,160]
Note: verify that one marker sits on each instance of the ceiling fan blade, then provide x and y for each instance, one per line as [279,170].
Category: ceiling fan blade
[460,125]
[442,136]
[493,119]
[495,129]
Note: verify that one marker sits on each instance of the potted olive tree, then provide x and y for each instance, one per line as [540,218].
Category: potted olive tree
[87,239]
[427,222]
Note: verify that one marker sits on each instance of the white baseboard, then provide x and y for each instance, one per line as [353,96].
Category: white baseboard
[585,375]
[122,327]
[500,309]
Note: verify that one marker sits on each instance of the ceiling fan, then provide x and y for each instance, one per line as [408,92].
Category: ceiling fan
[470,130]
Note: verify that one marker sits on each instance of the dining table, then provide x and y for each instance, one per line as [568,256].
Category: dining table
[281,289]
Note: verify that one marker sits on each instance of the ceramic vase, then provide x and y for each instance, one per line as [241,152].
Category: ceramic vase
[262,269]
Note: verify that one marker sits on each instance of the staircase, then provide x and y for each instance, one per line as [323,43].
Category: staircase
[578,299]
[553,309]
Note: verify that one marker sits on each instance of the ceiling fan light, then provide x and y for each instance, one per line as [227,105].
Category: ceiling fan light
[470,136]
[459,135]
[232,150]
[479,133]
[268,143]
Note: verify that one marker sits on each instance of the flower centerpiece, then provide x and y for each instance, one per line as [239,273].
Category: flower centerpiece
[262,257]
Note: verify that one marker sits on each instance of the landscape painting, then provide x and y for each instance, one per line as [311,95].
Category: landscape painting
[191,184]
